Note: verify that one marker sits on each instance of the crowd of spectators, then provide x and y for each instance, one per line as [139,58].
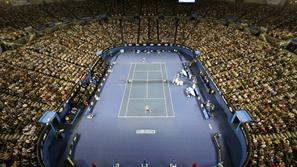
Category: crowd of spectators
[40,77]
[258,77]
[279,22]
[252,74]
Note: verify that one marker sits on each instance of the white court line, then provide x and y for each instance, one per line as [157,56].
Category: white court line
[169,90]
[146,98]
[147,116]
[147,77]
[130,90]
[164,90]
[123,96]
[148,71]
[148,63]
[210,127]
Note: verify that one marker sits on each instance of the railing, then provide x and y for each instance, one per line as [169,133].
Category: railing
[248,145]
[39,146]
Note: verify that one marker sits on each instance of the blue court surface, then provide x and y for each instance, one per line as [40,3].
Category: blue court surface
[123,131]
[146,85]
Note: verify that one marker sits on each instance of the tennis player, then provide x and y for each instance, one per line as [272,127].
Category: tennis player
[147,109]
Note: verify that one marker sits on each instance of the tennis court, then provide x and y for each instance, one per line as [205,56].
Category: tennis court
[133,136]
[146,86]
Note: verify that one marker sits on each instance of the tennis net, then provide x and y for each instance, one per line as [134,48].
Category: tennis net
[147,81]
